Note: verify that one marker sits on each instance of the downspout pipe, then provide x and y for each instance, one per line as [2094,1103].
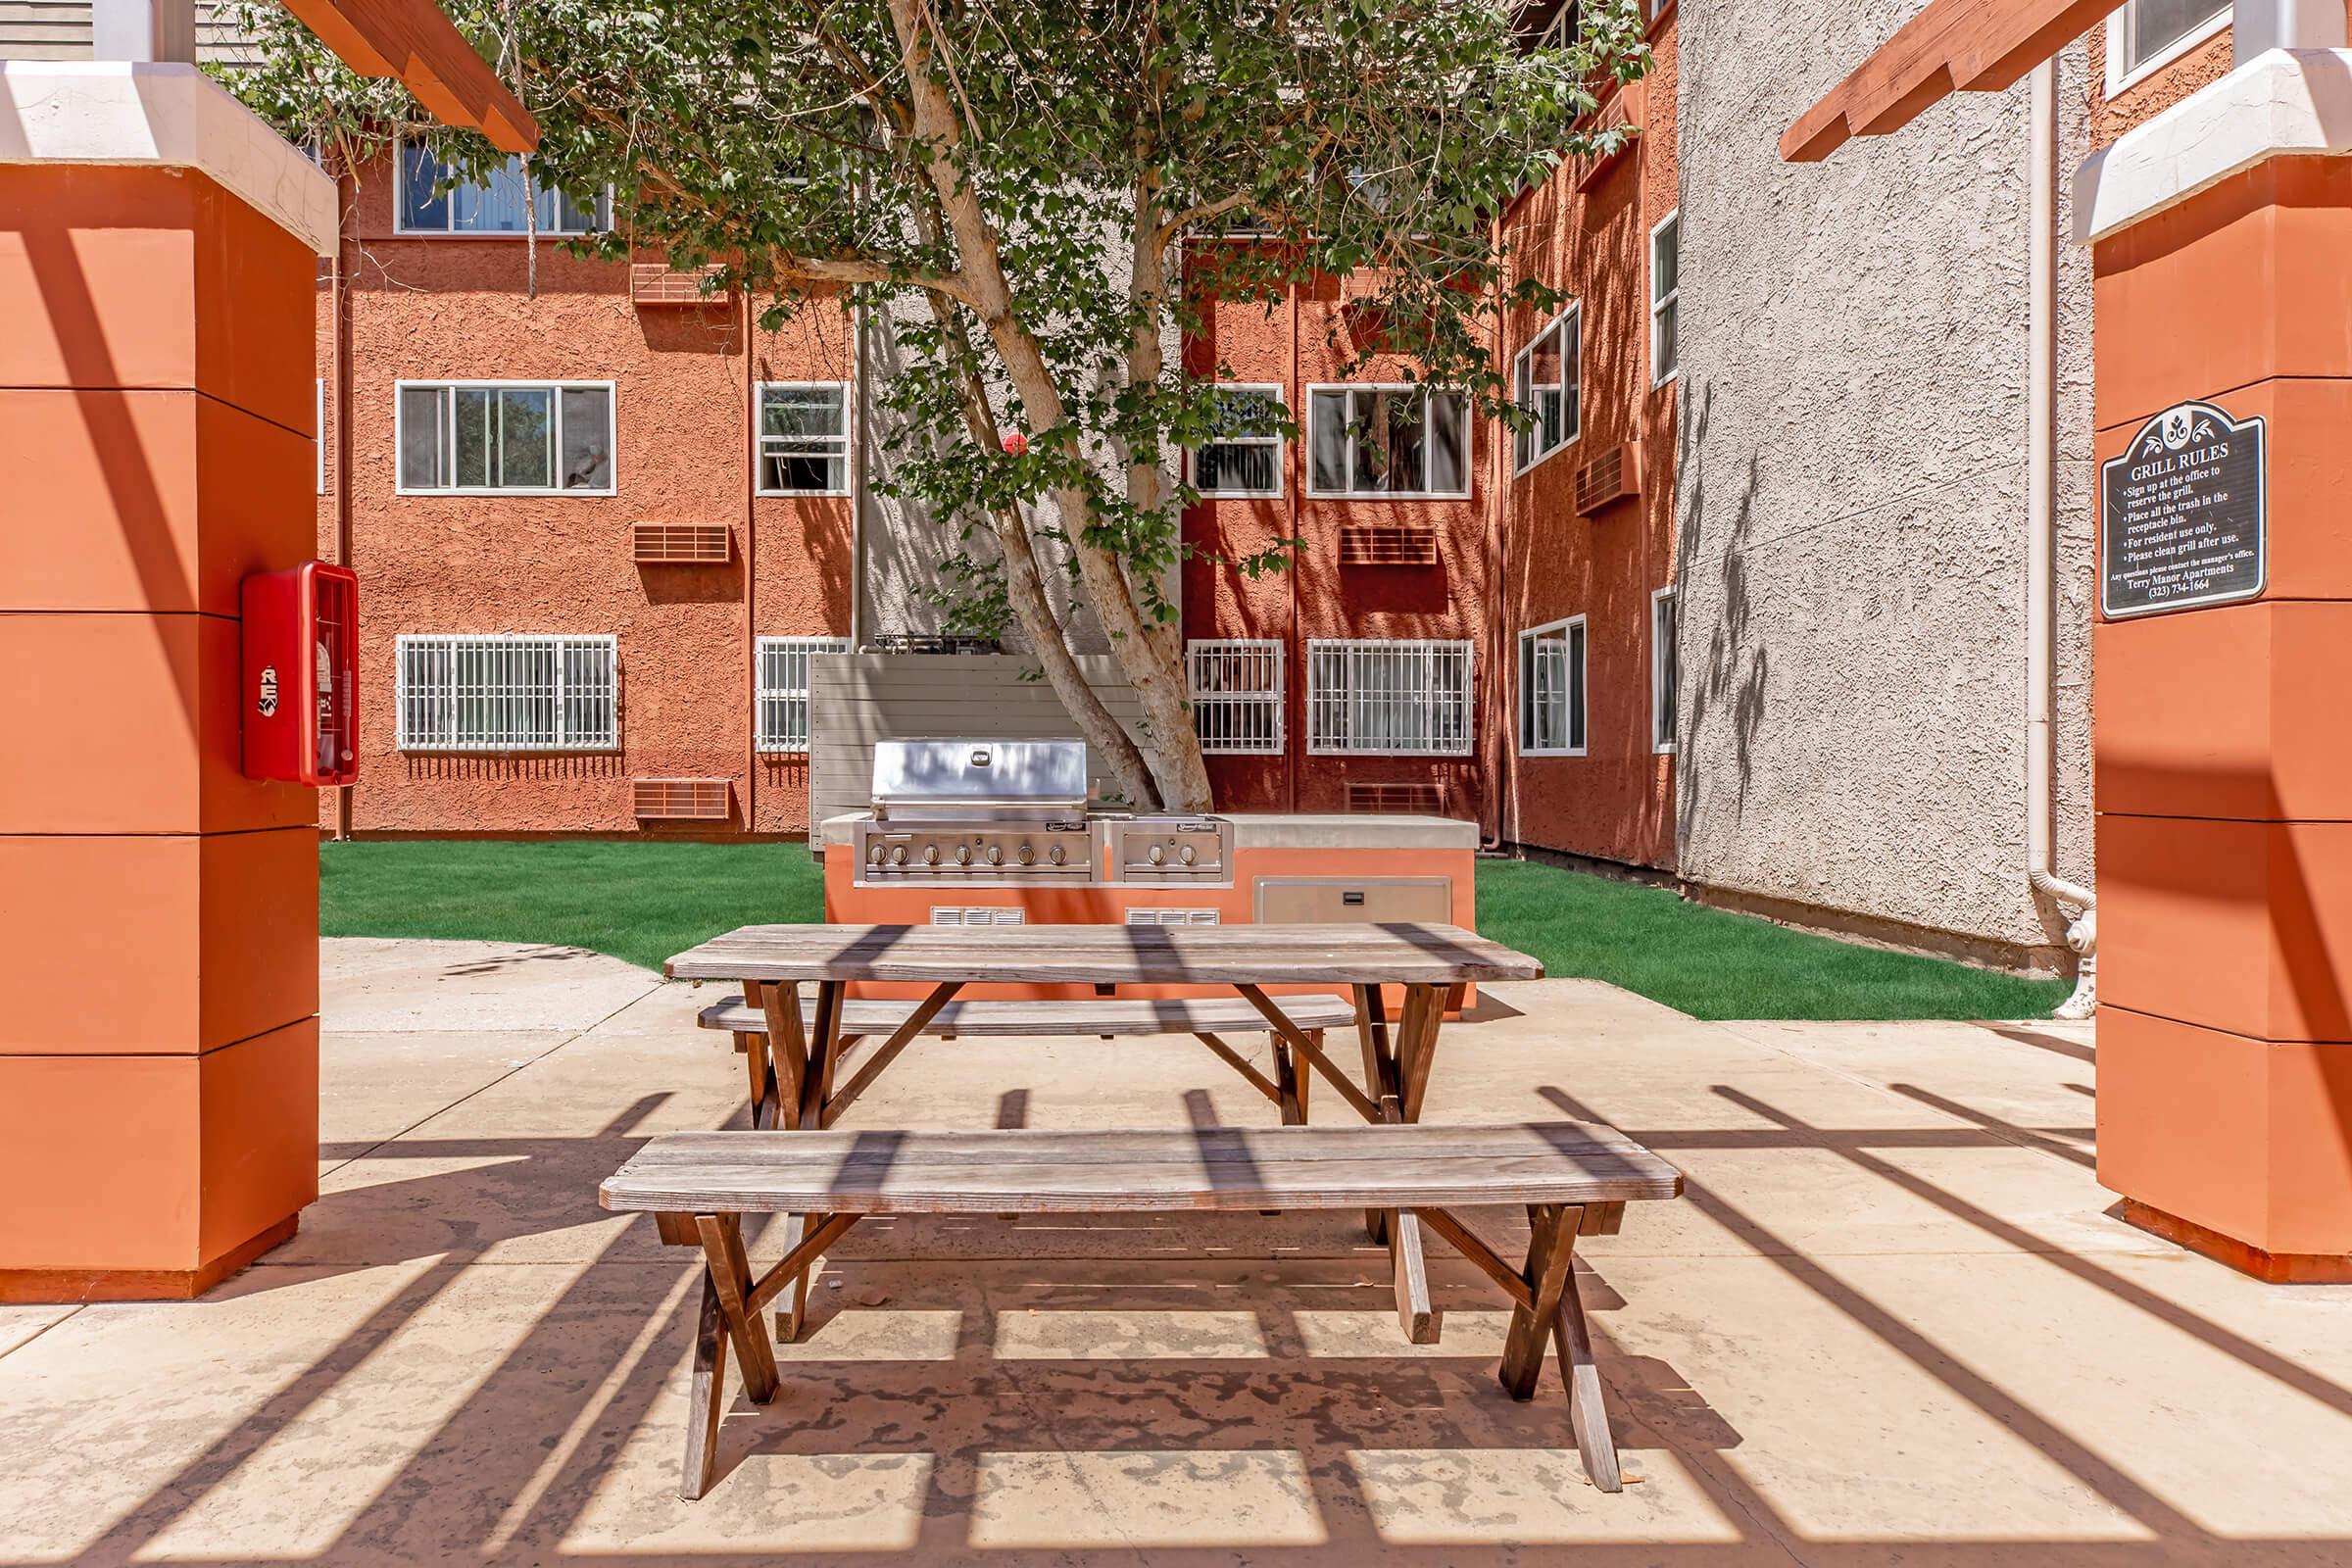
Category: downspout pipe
[2079,904]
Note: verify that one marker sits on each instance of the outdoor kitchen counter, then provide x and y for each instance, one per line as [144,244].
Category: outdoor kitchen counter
[1286,830]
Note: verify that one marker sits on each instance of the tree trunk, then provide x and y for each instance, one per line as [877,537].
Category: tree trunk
[1149,654]
[1025,588]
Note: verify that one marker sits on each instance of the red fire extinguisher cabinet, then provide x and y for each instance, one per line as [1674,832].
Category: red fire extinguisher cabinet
[302,698]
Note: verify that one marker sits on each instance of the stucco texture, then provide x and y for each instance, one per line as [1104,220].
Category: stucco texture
[460,308]
[1305,337]
[1851,491]
[1587,232]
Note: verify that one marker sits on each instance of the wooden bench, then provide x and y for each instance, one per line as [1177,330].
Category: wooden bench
[1574,1180]
[1208,1019]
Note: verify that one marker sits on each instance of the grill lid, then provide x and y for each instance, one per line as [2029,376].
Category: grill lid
[989,776]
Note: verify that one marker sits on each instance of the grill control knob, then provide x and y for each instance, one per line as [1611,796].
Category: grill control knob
[1187,854]
[1026,854]
[995,854]
[1157,855]
[1057,853]
[930,854]
[873,855]
[898,855]
[963,854]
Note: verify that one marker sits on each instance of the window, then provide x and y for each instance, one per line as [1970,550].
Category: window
[507,694]
[1391,698]
[502,204]
[803,438]
[1388,441]
[1665,285]
[1246,457]
[1544,383]
[783,718]
[1235,686]
[1552,689]
[1665,667]
[2147,34]
[503,437]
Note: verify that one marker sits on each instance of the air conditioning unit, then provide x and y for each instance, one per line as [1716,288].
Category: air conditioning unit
[654,283]
[1614,475]
[681,800]
[1610,116]
[681,544]
[1381,798]
[1386,544]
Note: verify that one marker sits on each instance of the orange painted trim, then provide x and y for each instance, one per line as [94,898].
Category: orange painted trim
[57,1287]
[1951,46]
[415,41]
[2273,1268]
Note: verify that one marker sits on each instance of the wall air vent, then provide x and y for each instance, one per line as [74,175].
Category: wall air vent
[1614,475]
[654,283]
[681,544]
[950,915]
[1397,799]
[681,800]
[1386,544]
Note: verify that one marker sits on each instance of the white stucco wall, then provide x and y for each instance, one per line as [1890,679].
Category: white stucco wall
[1851,498]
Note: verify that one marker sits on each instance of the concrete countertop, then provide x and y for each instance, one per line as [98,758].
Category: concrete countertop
[1296,832]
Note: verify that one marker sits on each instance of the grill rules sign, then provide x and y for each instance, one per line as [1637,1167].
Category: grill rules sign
[2182,514]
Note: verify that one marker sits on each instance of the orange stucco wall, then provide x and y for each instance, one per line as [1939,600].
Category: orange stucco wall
[2225,1030]
[1616,800]
[159,1031]
[461,308]
[1307,337]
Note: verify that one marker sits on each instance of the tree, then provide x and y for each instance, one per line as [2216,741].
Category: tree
[1028,168]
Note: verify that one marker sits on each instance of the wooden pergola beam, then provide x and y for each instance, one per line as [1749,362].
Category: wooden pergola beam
[1950,46]
[415,41]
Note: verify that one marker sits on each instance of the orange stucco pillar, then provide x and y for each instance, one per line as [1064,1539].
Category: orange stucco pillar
[2222,246]
[159,1032]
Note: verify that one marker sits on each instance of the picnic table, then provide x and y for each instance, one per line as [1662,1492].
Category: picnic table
[1430,963]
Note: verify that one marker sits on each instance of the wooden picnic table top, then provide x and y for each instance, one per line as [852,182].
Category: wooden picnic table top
[1389,953]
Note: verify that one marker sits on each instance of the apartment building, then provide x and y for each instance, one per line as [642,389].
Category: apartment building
[1745,607]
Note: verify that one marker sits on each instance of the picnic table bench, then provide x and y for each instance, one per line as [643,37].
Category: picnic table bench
[1208,1019]
[700,1186]
[795,1061]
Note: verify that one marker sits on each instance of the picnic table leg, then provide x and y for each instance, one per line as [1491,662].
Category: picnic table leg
[1384,1064]
[1290,1077]
[707,1399]
[1557,1319]
[1372,1034]
[804,1107]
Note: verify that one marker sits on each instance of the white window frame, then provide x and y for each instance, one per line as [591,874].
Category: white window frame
[848,438]
[1673,296]
[1469,437]
[1580,650]
[775,701]
[1236,724]
[401,226]
[319,427]
[400,482]
[1332,719]
[570,734]
[1572,388]
[1273,439]
[1665,715]
[2121,80]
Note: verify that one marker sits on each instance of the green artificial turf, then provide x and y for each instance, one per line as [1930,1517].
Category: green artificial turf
[644,902]
[1712,963]
[638,902]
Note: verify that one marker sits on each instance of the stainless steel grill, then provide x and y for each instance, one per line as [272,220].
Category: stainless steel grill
[978,813]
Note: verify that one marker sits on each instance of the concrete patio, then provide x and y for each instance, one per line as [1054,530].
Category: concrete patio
[1889,1322]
